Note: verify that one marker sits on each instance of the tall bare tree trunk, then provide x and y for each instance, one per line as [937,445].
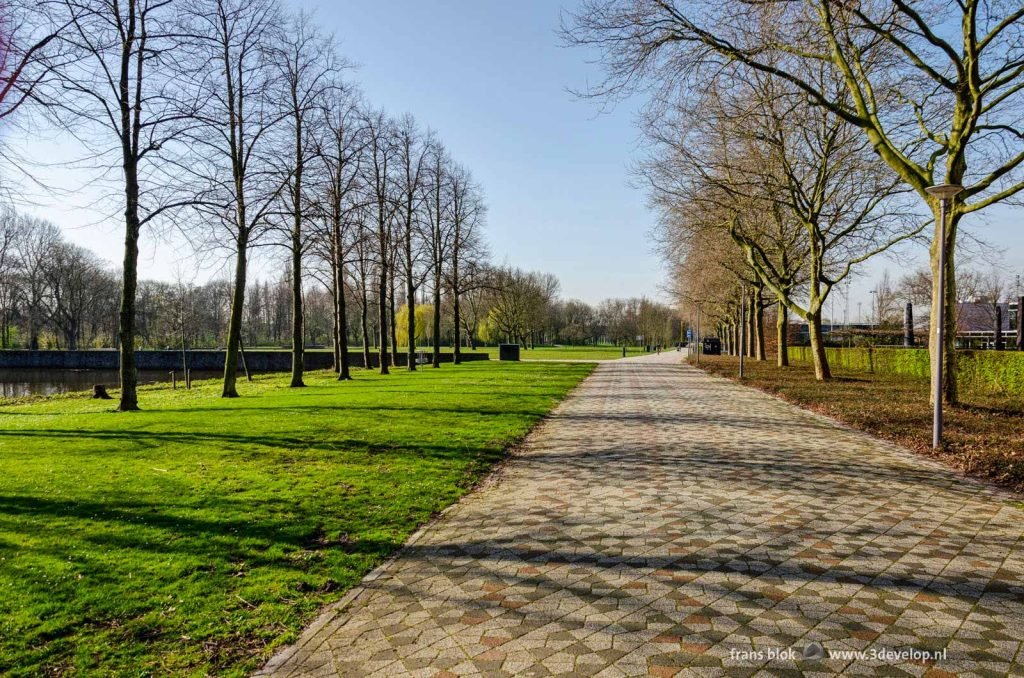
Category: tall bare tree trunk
[393,329]
[436,361]
[298,315]
[382,308]
[410,300]
[235,320]
[821,368]
[343,370]
[126,328]
[364,326]
[782,334]
[457,314]
[298,329]
[759,327]
[340,311]
[411,325]
[335,339]
[751,326]
[948,352]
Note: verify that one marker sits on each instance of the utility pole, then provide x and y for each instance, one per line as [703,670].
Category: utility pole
[696,339]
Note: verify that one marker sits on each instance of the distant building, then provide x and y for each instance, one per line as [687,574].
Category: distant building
[975,328]
[976,324]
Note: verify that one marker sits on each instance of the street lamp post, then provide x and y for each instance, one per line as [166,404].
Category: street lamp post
[846,315]
[697,338]
[944,193]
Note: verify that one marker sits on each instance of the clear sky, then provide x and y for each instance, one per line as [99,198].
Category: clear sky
[492,78]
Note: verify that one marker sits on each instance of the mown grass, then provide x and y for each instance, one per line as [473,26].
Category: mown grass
[194,537]
[576,352]
[982,436]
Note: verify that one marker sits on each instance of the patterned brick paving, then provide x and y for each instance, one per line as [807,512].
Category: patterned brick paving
[665,522]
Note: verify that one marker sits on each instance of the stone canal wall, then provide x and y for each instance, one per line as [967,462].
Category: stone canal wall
[258,361]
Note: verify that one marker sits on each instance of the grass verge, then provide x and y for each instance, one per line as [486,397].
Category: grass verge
[983,435]
[198,535]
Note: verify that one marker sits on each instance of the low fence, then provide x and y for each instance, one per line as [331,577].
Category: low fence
[257,361]
[985,371]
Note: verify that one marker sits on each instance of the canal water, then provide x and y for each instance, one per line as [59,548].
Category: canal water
[15,383]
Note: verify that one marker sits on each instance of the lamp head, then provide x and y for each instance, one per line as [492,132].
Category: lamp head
[945,191]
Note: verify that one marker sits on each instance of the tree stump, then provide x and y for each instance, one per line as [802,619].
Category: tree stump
[99,392]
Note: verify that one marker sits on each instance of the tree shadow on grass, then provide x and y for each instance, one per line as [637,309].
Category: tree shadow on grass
[256,443]
[497,409]
[241,534]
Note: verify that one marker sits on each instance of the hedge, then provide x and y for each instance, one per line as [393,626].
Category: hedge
[1000,372]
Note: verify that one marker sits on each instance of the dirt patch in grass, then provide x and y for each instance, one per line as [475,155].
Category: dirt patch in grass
[984,436]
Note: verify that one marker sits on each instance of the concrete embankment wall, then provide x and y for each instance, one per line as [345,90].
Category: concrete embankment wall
[257,361]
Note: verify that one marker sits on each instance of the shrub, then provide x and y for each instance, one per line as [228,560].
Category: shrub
[999,372]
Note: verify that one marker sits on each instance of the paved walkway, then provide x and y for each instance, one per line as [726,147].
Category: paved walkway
[666,522]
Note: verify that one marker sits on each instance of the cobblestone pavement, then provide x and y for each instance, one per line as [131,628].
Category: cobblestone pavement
[665,522]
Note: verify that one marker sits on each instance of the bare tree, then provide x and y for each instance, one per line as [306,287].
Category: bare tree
[381,154]
[438,208]
[476,299]
[520,304]
[758,155]
[34,248]
[30,50]
[467,215]
[128,107]
[74,277]
[340,150]
[992,291]
[233,162]
[885,301]
[307,67]
[10,227]
[412,157]
[936,89]
[363,275]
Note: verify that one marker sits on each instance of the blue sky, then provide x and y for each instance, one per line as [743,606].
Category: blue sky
[492,78]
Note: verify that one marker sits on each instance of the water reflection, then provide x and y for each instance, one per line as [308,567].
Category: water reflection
[22,382]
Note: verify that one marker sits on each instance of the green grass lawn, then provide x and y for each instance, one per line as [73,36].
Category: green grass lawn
[194,537]
[576,352]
